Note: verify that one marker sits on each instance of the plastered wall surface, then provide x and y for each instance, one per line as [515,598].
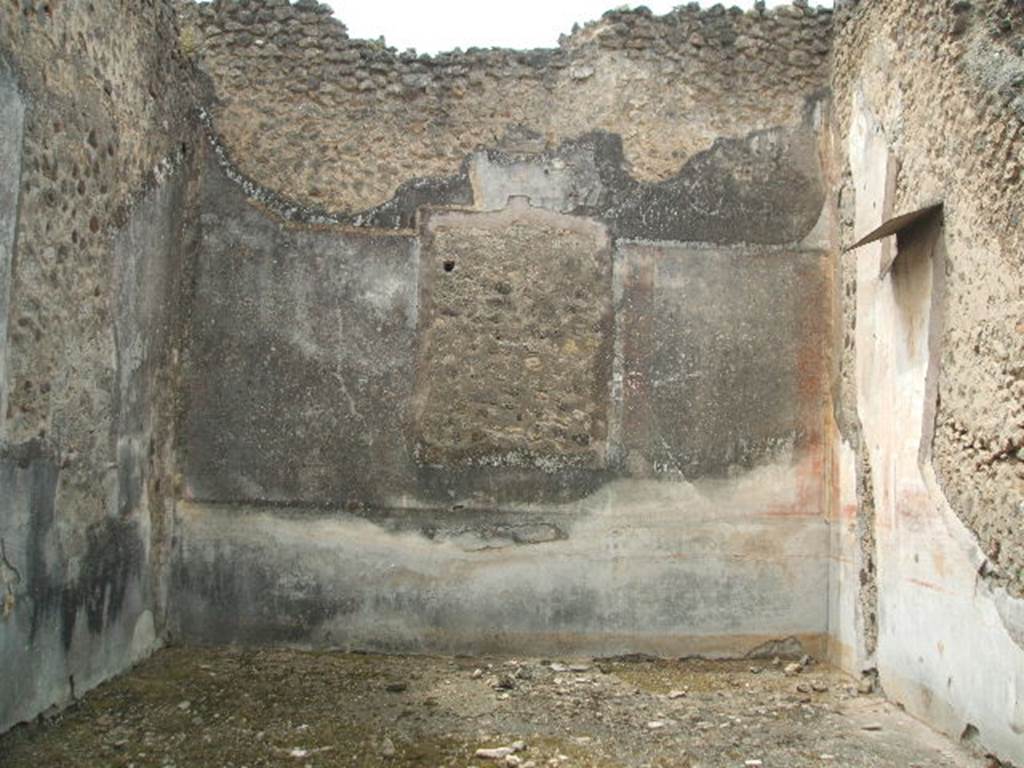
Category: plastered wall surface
[92,213]
[936,403]
[301,360]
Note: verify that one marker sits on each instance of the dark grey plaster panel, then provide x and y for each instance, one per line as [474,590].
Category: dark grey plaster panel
[723,354]
[12,117]
[149,259]
[301,364]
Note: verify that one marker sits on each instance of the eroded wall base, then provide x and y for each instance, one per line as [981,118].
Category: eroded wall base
[641,566]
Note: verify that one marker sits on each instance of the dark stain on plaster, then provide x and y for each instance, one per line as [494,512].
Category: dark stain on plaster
[112,560]
[36,463]
[501,535]
[762,188]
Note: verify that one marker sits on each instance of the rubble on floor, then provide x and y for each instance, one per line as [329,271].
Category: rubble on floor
[230,707]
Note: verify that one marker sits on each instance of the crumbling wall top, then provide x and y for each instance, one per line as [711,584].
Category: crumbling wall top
[339,124]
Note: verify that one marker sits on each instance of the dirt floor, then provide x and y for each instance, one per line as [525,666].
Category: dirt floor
[230,707]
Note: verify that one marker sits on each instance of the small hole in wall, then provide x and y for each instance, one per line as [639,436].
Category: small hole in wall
[449,266]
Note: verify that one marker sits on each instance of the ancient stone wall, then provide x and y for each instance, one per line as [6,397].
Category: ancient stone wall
[97,141]
[303,339]
[928,109]
[500,350]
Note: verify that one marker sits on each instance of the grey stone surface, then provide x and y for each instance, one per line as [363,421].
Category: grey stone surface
[724,355]
[12,116]
[302,359]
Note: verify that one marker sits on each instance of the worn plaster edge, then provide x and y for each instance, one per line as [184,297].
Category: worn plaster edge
[292,211]
[288,209]
[848,646]
[712,249]
[650,502]
[574,645]
[517,207]
[1009,608]
[714,490]
[171,185]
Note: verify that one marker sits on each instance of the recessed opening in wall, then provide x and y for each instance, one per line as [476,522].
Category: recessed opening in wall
[912,278]
[449,266]
[914,271]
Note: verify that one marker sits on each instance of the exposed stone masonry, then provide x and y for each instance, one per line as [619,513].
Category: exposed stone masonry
[287,75]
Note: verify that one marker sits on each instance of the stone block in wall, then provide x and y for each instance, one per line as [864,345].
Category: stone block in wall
[515,339]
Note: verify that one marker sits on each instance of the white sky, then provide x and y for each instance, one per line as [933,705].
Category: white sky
[431,26]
